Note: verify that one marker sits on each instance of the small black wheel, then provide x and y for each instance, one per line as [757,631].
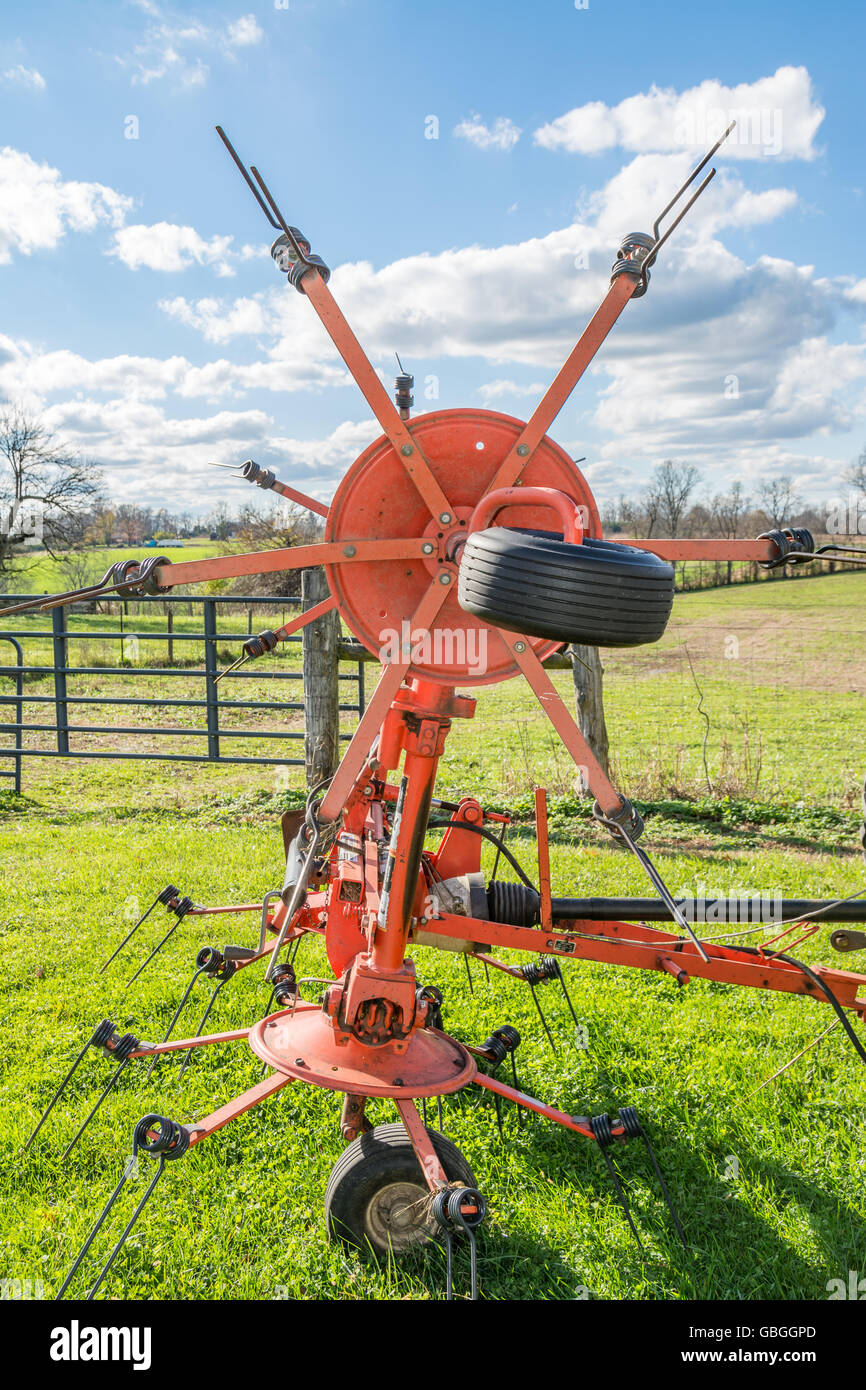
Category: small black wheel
[377,1200]
[598,593]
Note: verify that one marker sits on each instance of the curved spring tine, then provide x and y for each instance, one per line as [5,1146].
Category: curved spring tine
[543,1020]
[665,1193]
[100,1221]
[132,1220]
[177,1014]
[561,979]
[281,221]
[691,178]
[128,937]
[110,1087]
[157,948]
[59,1092]
[243,170]
[620,1192]
[204,1019]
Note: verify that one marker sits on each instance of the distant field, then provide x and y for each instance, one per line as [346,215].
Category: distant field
[43,574]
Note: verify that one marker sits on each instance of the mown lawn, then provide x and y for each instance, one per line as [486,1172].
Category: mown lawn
[769,1183]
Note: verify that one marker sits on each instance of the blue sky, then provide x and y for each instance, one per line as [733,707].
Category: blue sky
[142,314]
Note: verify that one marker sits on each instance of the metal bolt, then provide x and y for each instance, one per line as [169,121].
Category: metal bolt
[444,578]
[368,791]
[427,548]
[349,550]
[445,518]
[406,449]
[520,646]
[299,1062]
[523,450]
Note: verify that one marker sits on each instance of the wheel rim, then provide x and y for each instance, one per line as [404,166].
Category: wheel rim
[397,1216]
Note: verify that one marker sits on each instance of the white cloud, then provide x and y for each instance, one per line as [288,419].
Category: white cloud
[35,376]
[502,135]
[244,32]
[38,207]
[215,321]
[150,456]
[495,390]
[166,246]
[173,43]
[19,76]
[776,116]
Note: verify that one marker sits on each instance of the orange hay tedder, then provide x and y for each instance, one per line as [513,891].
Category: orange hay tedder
[472,523]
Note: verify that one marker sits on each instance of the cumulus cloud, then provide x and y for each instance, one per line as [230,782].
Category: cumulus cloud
[776,116]
[503,134]
[166,246]
[38,207]
[151,455]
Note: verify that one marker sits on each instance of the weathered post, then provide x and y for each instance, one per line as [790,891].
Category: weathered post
[321,642]
[588,672]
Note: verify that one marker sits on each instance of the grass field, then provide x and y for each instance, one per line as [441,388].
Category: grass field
[769,1183]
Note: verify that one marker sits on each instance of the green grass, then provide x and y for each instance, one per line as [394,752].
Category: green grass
[241,1215]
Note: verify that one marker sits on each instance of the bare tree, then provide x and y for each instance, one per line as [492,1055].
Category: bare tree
[855,476]
[43,486]
[674,484]
[779,499]
[727,510]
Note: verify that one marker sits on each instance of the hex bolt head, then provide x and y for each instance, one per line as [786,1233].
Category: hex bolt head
[445,518]
[406,450]
[520,646]
[523,450]
[444,578]
[427,548]
[349,550]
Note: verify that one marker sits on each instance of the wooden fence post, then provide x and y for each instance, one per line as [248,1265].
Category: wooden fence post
[321,667]
[588,671]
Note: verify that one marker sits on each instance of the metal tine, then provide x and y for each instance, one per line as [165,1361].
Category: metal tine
[561,978]
[242,167]
[131,933]
[70,595]
[158,947]
[691,178]
[635,1130]
[62,1087]
[620,1192]
[241,661]
[296,247]
[177,1014]
[132,1220]
[85,1122]
[665,1193]
[553,1047]
[129,1168]
[468,973]
[204,1018]
[678,219]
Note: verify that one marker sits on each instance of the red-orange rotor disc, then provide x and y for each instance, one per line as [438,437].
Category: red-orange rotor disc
[377,501]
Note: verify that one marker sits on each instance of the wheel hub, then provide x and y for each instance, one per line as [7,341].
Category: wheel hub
[399,1215]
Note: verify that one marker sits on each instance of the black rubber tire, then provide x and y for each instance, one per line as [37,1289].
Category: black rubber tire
[598,593]
[375,1161]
